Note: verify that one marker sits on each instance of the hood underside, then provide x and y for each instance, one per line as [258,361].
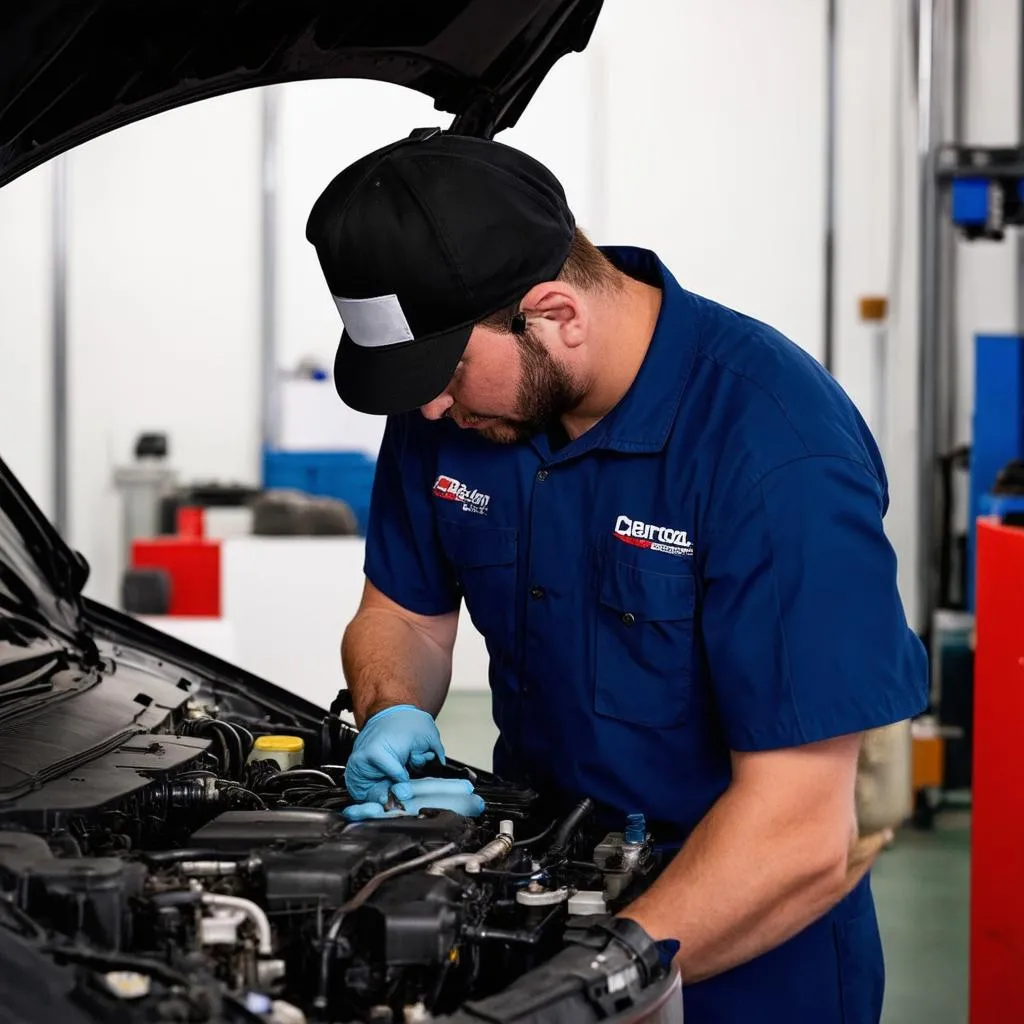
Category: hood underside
[71,70]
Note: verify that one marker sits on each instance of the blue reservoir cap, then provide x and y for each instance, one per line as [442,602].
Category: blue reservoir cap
[636,828]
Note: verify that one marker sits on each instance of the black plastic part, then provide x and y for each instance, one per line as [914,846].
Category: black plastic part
[80,897]
[132,767]
[95,713]
[241,831]
[431,828]
[562,838]
[151,446]
[33,988]
[412,921]
[1010,479]
[343,702]
[146,591]
[575,985]
[329,874]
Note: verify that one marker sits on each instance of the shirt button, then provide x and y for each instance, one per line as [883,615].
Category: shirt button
[542,474]
[536,593]
[628,618]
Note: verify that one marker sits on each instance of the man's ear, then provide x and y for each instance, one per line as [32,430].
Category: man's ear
[558,303]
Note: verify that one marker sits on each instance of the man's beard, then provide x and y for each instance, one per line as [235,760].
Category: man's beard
[546,392]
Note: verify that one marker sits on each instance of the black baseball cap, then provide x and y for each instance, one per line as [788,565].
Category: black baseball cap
[420,241]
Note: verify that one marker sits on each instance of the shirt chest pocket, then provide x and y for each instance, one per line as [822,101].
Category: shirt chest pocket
[484,561]
[643,651]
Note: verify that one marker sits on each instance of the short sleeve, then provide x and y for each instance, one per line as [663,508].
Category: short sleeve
[804,630]
[403,556]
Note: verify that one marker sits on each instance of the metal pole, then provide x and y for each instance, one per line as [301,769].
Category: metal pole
[950,126]
[831,61]
[59,342]
[268,268]
[927,311]
[940,113]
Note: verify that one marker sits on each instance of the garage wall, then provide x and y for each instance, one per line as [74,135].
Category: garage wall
[163,308]
[715,148]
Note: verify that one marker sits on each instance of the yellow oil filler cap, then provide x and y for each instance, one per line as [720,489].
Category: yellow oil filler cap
[287,751]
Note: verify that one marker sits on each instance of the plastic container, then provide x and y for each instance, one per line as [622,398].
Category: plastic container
[287,751]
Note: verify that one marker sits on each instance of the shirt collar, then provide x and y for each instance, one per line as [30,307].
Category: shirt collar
[642,419]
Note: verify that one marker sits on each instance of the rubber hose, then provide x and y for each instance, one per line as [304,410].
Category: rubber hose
[235,745]
[569,825]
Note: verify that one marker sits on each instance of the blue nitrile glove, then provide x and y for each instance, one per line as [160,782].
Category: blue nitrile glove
[390,740]
[443,794]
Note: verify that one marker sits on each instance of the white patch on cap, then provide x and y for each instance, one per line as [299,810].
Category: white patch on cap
[373,323]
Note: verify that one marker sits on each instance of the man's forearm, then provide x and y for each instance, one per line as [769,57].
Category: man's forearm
[387,660]
[743,884]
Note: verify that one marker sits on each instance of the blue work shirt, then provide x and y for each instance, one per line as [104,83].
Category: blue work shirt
[703,571]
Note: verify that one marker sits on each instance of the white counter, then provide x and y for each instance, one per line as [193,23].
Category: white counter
[286,602]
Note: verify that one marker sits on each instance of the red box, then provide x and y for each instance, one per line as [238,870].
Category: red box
[193,564]
[997,835]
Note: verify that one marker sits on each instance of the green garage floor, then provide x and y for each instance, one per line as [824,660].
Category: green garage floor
[920,885]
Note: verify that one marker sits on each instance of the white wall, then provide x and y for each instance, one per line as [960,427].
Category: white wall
[164,309]
[715,148]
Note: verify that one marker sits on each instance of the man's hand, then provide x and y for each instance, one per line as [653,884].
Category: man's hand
[770,857]
[391,740]
[443,794]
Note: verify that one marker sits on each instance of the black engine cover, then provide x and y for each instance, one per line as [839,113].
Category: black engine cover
[241,831]
[327,875]
[412,921]
[81,897]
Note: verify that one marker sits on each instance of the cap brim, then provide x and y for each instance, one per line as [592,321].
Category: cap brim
[397,378]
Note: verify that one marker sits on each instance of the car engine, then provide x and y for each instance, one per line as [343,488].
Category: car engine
[226,886]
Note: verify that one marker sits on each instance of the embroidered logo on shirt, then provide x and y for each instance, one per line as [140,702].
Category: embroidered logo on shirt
[471,500]
[657,538]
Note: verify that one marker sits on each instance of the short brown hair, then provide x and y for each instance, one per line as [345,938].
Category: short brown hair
[586,268]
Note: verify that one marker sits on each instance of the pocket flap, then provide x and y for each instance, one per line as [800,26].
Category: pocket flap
[470,546]
[648,596]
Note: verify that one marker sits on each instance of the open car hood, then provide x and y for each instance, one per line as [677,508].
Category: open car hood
[71,70]
[41,578]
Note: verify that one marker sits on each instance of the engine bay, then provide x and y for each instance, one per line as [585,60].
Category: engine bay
[198,868]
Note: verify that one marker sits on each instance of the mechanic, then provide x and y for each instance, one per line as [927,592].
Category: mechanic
[666,521]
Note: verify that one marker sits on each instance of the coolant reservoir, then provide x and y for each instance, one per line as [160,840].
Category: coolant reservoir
[287,751]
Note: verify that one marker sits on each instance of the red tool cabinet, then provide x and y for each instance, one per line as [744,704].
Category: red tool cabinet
[997,819]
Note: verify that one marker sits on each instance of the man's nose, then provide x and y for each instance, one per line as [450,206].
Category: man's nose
[438,407]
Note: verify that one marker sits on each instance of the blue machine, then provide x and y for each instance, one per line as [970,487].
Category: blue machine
[998,429]
[986,188]
[347,476]
[979,204]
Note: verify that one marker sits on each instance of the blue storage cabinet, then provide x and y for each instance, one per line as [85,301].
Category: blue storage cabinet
[347,476]
[998,428]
